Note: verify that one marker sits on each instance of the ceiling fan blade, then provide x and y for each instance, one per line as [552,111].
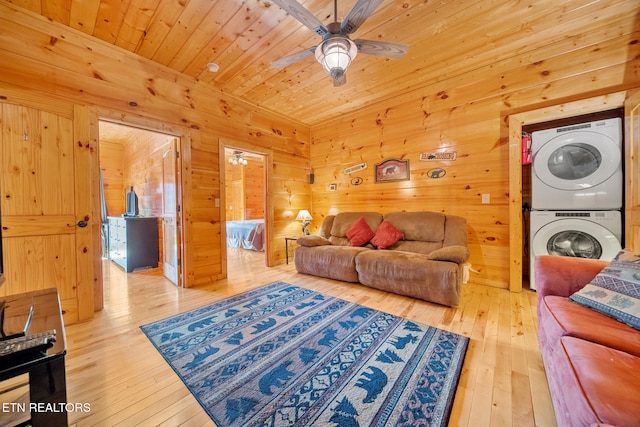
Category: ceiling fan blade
[295,57]
[295,9]
[380,48]
[358,14]
[339,80]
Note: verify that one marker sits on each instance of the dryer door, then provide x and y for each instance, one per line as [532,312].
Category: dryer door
[577,160]
[575,238]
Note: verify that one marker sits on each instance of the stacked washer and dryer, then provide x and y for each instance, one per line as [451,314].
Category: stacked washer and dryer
[576,191]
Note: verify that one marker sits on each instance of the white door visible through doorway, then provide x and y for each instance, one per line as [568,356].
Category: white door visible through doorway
[171,261]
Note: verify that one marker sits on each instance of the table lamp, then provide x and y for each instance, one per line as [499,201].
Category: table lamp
[306,218]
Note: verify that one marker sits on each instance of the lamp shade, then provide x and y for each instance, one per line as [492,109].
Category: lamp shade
[335,54]
[304,215]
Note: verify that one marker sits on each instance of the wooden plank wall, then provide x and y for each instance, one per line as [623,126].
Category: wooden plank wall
[245,190]
[466,114]
[133,160]
[143,170]
[112,166]
[49,65]
[403,131]
[254,189]
[234,194]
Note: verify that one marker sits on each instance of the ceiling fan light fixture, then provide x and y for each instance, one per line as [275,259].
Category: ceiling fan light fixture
[335,54]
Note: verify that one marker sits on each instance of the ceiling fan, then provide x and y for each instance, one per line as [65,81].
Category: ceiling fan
[337,50]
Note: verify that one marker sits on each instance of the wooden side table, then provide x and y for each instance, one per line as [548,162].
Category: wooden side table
[286,245]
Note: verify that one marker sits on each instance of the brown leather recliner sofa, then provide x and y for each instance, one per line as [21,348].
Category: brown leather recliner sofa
[592,360]
[426,262]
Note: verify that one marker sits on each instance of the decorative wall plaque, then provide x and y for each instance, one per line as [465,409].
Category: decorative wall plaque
[436,173]
[355,168]
[392,170]
[442,155]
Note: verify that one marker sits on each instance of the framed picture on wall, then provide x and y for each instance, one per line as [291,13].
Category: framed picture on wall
[392,170]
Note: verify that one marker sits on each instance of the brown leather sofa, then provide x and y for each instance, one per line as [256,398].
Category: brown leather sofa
[425,263]
[592,361]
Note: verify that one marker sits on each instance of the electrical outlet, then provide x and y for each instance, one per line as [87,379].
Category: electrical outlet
[486,199]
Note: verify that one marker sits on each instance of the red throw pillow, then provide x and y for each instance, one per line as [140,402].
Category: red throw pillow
[360,232]
[386,235]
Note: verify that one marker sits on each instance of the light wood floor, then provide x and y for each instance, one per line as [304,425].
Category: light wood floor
[114,368]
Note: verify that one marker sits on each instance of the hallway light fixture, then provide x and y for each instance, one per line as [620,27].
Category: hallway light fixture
[238,159]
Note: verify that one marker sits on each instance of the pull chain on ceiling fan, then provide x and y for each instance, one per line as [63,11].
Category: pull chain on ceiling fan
[337,50]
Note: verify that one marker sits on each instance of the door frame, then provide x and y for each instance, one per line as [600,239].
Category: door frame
[184,136]
[632,168]
[267,156]
[515,122]
[174,150]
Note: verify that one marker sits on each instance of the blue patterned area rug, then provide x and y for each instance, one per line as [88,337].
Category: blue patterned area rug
[282,355]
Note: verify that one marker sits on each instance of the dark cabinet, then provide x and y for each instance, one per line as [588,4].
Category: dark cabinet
[133,242]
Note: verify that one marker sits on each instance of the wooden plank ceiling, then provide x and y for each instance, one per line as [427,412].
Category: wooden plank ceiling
[447,39]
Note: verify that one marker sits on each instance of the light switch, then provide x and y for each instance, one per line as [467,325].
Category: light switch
[217,202]
[486,199]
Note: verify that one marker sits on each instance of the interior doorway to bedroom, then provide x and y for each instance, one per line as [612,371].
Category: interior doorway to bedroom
[140,197]
[245,209]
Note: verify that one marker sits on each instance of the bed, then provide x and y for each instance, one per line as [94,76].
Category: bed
[247,234]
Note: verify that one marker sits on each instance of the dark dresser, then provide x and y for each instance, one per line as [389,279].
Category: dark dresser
[133,242]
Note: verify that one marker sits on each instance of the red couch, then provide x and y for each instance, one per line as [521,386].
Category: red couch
[592,361]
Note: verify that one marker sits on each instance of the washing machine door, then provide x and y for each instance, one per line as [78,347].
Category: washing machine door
[575,238]
[577,160]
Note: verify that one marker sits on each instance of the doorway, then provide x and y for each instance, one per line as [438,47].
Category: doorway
[146,163]
[244,203]
[515,122]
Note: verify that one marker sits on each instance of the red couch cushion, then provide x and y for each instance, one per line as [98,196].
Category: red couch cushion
[360,233]
[386,235]
[571,319]
[608,381]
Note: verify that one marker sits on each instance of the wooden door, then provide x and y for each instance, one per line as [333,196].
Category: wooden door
[632,172]
[43,229]
[170,235]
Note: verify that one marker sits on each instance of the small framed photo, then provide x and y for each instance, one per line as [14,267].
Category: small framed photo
[392,170]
